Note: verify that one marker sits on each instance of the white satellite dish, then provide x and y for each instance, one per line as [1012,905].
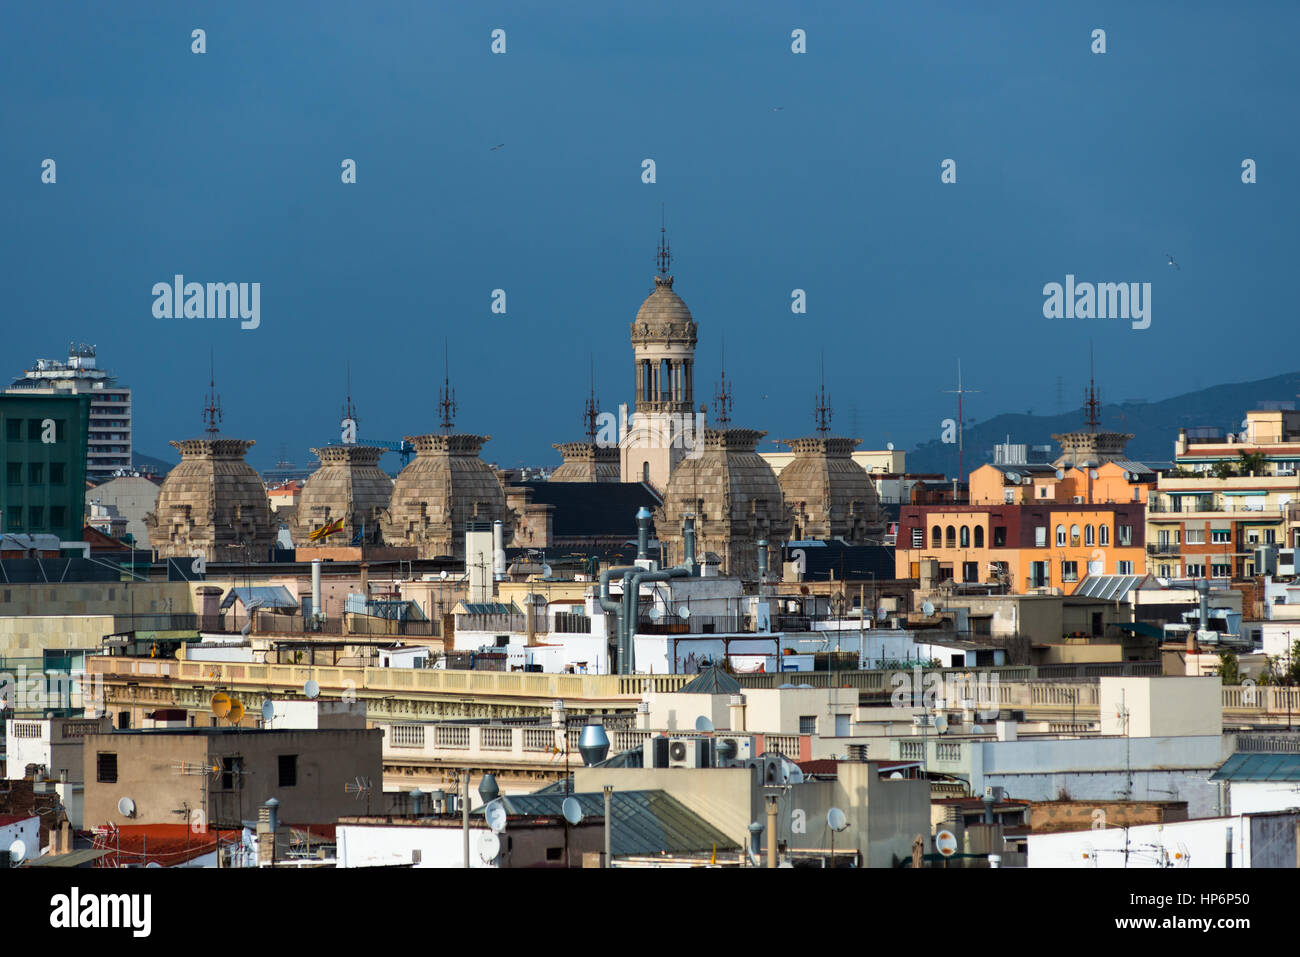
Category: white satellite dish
[927,609]
[268,712]
[896,776]
[311,689]
[489,846]
[17,851]
[546,571]
[495,813]
[1092,473]
[1059,475]
[703,724]
[125,807]
[443,574]
[1014,477]
[153,864]
[836,820]
[889,446]
[572,810]
[683,612]
[655,613]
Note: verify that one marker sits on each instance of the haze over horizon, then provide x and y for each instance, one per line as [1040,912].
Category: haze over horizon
[225,167]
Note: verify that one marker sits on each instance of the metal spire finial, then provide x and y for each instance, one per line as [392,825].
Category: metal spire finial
[447,395]
[349,410]
[722,399]
[591,412]
[664,257]
[1091,399]
[822,413]
[212,411]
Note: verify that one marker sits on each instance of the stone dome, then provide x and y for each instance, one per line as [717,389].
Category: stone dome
[350,485]
[735,498]
[663,305]
[829,495]
[212,504]
[446,486]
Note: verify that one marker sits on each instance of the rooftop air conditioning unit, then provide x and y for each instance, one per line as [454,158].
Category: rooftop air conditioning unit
[731,752]
[1078,500]
[688,752]
[656,752]
[774,771]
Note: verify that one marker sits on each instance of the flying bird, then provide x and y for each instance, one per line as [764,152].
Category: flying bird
[1174,264]
[497,147]
[777,109]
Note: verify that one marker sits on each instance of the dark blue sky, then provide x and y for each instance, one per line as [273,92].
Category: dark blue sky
[226,167]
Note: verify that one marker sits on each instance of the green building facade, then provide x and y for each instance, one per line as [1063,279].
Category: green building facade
[43,464]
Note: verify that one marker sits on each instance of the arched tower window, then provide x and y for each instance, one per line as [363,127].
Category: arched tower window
[965,536]
[950,536]
[936,537]
[979,536]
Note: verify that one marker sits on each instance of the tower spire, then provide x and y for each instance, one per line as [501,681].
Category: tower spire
[447,395]
[664,257]
[212,411]
[590,413]
[722,399]
[1091,398]
[822,412]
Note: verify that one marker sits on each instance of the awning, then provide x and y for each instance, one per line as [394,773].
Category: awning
[1141,628]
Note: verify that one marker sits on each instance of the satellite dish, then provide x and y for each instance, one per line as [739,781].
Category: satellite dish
[927,609]
[1059,475]
[881,614]
[655,613]
[220,704]
[126,807]
[489,846]
[702,723]
[836,820]
[945,842]
[572,810]
[896,776]
[889,446]
[443,574]
[1014,477]
[236,714]
[17,851]
[495,812]
[546,571]
[153,864]
[268,711]
[683,612]
[311,689]
[1092,473]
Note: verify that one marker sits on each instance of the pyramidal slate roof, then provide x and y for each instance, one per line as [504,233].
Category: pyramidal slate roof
[713,680]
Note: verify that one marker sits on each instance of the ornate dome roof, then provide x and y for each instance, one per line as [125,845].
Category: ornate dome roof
[663,305]
[349,485]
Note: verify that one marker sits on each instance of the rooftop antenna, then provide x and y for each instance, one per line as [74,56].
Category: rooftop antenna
[590,412]
[447,395]
[664,257]
[212,411]
[1091,399]
[822,412]
[722,400]
[959,391]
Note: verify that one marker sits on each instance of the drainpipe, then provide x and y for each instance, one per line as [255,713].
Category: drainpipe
[771,831]
[688,538]
[762,561]
[631,593]
[643,534]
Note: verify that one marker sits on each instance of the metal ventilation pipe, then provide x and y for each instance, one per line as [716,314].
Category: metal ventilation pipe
[272,815]
[610,605]
[417,802]
[762,559]
[688,536]
[771,831]
[315,588]
[631,603]
[643,534]
[498,551]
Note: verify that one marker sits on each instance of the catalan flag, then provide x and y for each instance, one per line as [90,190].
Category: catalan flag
[325,531]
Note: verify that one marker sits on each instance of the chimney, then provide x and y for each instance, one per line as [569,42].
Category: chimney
[737,708]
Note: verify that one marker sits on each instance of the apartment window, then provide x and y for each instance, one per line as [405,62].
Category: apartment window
[1252,538]
[936,537]
[1040,536]
[1124,534]
[1074,536]
[14,430]
[999,536]
[1195,571]
[1195,536]
[15,518]
[918,538]
[979,536]
[230,768]
[808,724]
[970,571]
[1038,574]
[1124,568]
[288,770]
[58,473]
[1060,534]
[1103,535]
[1270,536]
[106,767]
[1164,571]
[1009,496]
[1221,536]
[36,473]
[35,517]
[1042,491]
[965,536]
[14,473]
[1218,570]
[58,516]
[554,853]
[950,536]
[1089,535]
[34,430]
[1069,571]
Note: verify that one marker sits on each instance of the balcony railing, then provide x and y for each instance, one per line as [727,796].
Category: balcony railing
[1165,548]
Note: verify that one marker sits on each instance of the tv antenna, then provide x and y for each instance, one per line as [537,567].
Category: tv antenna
[591,411]
[822,411]
[212,411]
[664,257]
[447,395]
[722,400]
[959,392]
[360,787]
